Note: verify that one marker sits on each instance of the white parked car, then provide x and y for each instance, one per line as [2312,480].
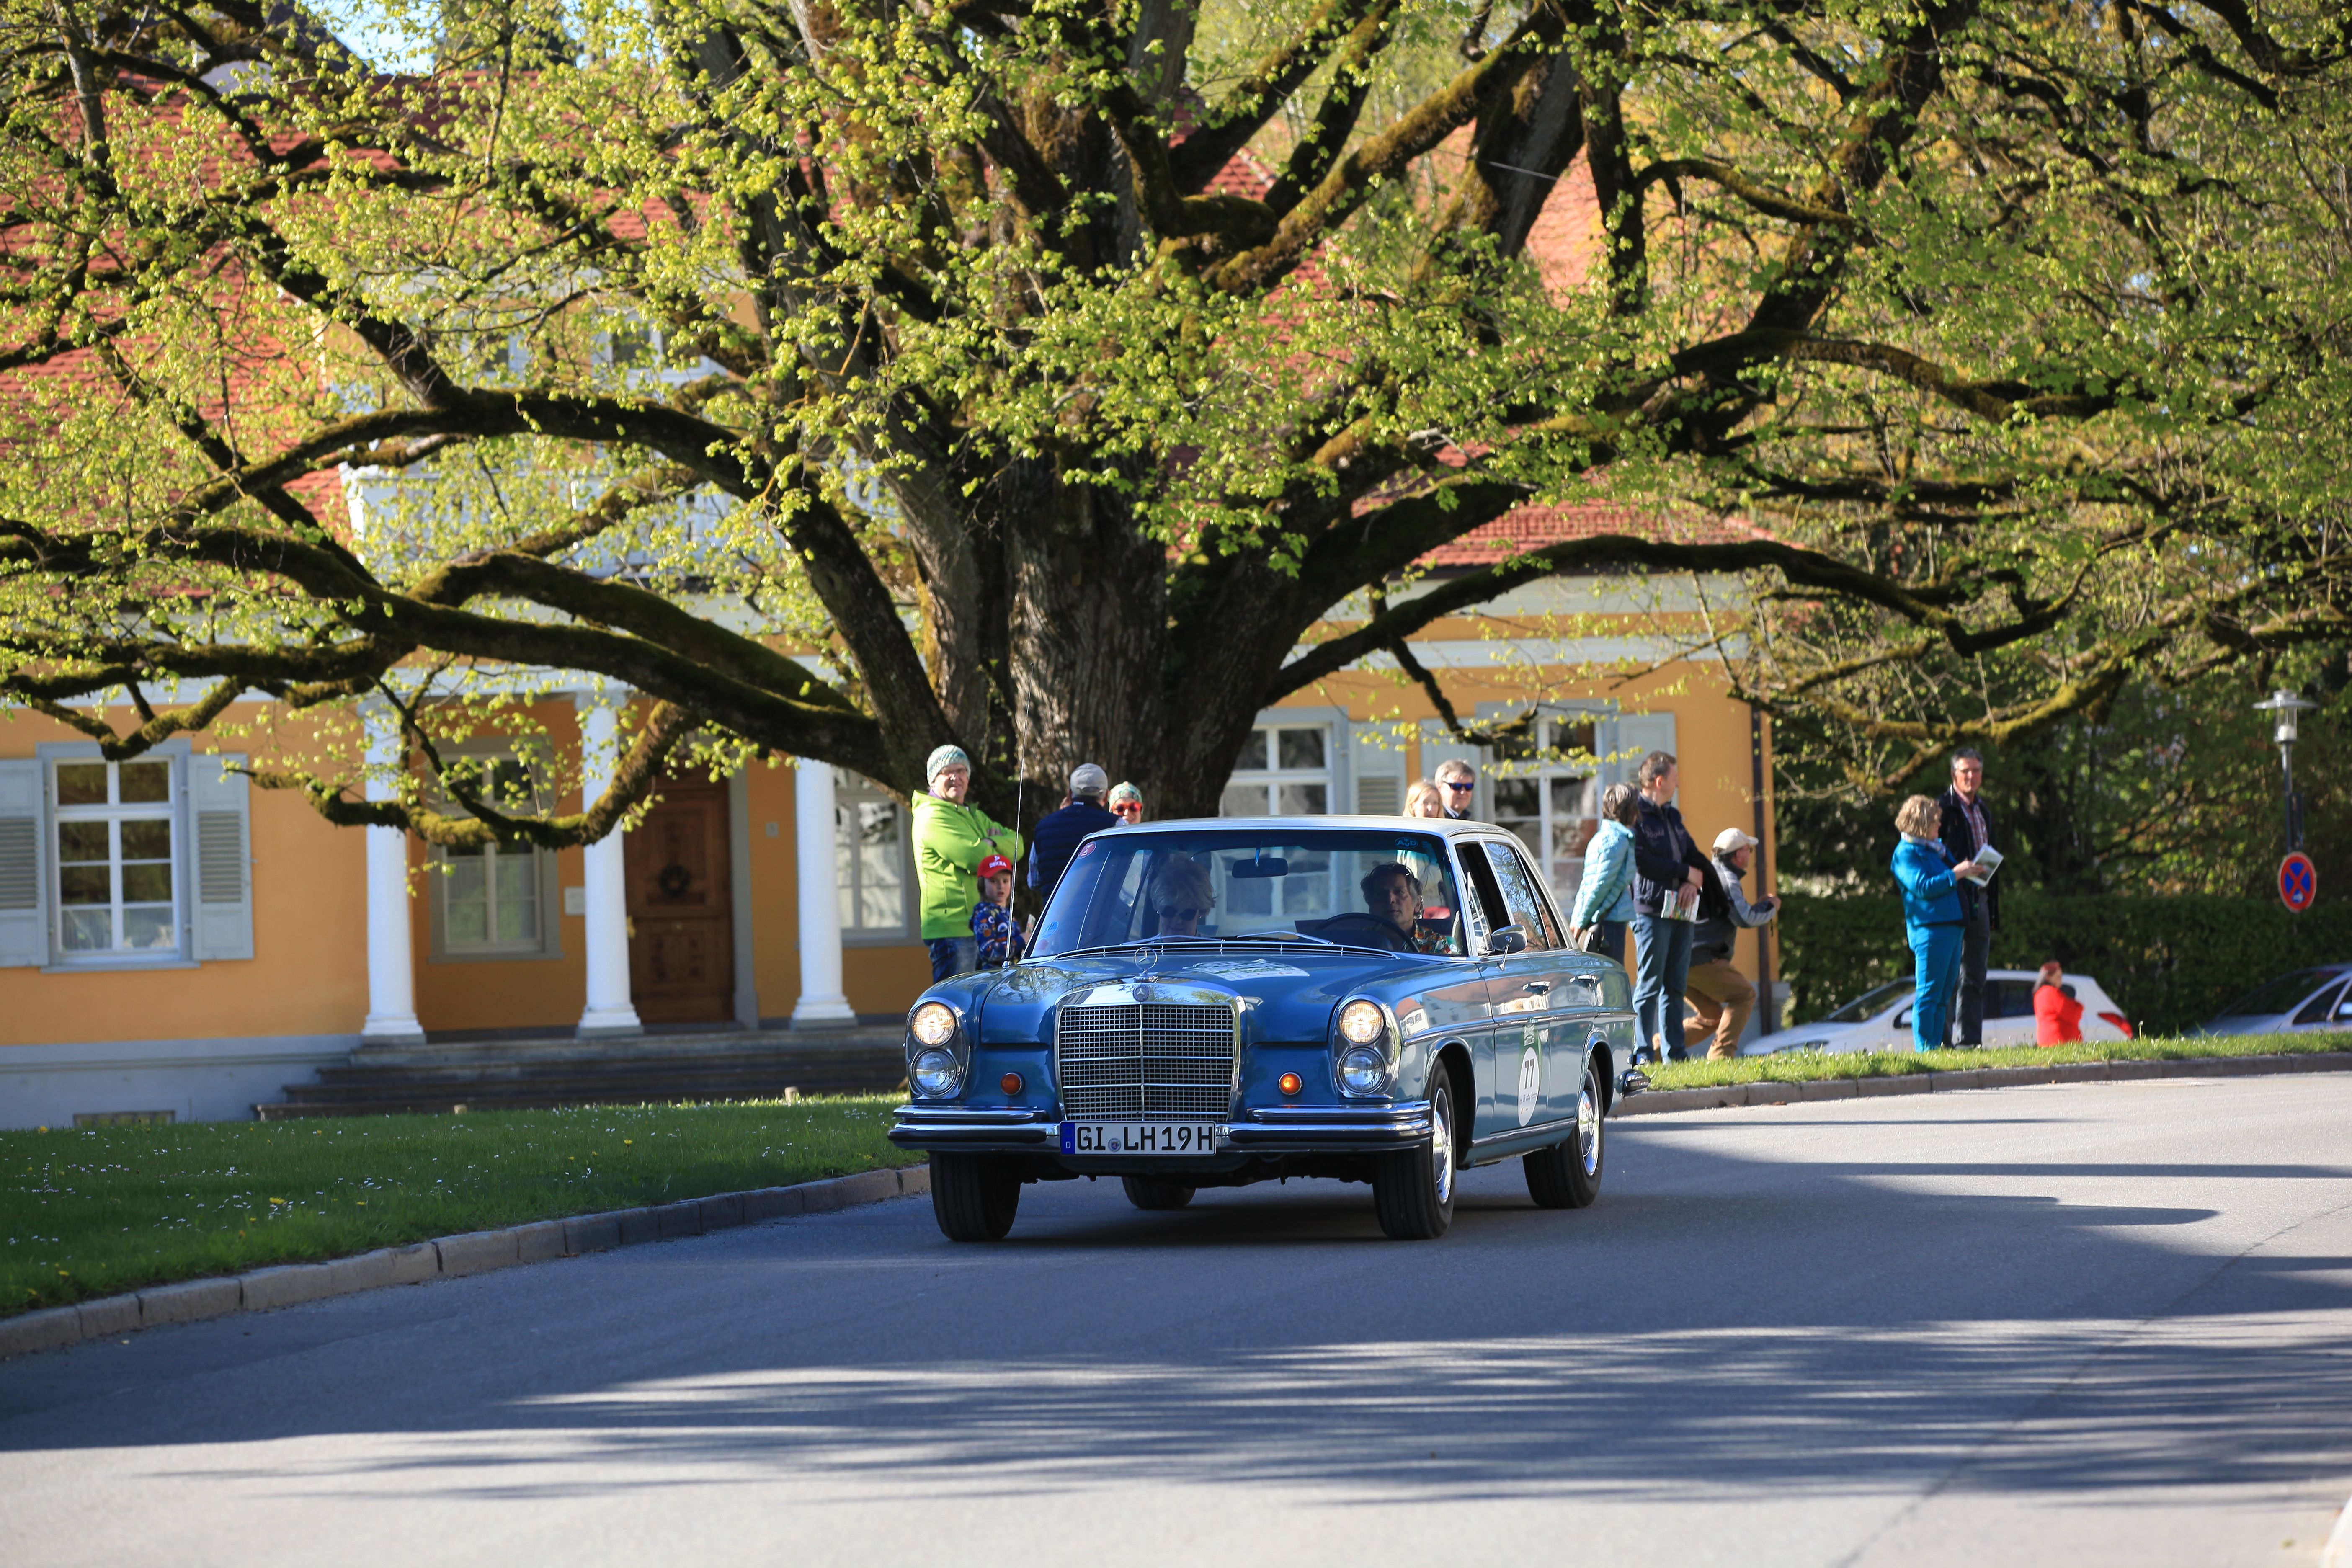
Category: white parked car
[1880,1020]
[2315,998]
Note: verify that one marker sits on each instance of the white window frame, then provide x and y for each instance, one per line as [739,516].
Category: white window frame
[549,944]
[1562,875]
[174,754]
[849,792]
[1273,775]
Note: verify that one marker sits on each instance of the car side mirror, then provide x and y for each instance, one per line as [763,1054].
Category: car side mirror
[1901,1020]
[1507,940]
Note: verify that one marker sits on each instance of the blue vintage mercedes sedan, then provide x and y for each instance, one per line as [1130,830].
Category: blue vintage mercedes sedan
[1225,1001]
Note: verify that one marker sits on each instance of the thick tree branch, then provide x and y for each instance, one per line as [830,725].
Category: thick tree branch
[1233,120]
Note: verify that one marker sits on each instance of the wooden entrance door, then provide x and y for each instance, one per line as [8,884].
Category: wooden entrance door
[681,908]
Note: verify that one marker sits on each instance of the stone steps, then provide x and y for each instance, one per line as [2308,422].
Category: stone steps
[436,1078]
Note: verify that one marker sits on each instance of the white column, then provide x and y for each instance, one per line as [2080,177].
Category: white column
[391,979]
[822,1004]
[609,1012]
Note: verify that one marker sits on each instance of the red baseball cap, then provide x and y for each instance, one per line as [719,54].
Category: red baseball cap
[995,865]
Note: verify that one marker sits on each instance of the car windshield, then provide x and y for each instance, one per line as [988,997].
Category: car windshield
[1870,1003]
[2281,995]
[1278,882]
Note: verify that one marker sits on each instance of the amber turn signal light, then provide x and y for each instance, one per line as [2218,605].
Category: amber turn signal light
[1010,1083]
[1289,1083]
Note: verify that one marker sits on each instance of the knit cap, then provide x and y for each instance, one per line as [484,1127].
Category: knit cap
[944,757]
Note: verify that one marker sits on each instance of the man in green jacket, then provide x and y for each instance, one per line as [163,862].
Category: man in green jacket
[950,841]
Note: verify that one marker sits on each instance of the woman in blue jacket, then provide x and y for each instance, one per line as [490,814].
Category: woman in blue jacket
[1931,916]
[1604,899]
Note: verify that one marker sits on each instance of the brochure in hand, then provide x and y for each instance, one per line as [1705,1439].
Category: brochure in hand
[1987,861]
[1680,905]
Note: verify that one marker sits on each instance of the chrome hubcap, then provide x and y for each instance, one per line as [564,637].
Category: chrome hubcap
[1441,1145]
[1588,1124]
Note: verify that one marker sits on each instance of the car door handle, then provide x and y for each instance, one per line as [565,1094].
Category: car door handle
[1540,987]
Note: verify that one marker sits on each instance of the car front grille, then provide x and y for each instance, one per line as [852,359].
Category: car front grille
[1147,1061]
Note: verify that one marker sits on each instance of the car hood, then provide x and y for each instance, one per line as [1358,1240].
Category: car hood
[1805,1034]
[2244,1023]
[1286,995]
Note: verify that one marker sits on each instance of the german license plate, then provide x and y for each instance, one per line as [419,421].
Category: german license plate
[1141,1137]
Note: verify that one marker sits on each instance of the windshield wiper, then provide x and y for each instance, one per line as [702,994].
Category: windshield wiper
[1271,936]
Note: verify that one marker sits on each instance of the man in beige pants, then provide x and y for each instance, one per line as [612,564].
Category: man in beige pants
[1723,996]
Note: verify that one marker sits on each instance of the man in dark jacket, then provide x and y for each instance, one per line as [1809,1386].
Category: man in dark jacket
[1059,832]
[1667,867]
[1457,786]
[1967,828]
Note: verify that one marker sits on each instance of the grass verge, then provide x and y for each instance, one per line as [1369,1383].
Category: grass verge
[93,1212]
[1798,1066]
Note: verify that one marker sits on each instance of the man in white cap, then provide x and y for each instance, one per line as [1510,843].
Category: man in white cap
[952,839]
[1722,997]
[1059,832]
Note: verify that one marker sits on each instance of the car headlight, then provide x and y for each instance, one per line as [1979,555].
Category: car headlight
[936,1074]
[1363,1071]
[934,1024]
[1361,1022]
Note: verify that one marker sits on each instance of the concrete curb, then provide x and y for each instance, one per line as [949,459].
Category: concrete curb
[1661,1102]
[477,1252]
[2337,1553]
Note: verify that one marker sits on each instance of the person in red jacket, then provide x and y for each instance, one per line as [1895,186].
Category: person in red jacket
[2057,1016]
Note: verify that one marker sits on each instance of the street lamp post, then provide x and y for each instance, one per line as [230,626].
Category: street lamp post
[2287,706]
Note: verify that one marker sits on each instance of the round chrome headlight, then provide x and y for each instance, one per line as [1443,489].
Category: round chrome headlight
[933,1023]
[1363,1071]
[1361,1022]
[935,1074]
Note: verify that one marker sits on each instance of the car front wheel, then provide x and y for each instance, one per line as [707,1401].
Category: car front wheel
[1412,1192]
[1568,1175]
[973,1196]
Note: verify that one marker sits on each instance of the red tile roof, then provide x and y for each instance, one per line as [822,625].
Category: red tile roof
[1532,527]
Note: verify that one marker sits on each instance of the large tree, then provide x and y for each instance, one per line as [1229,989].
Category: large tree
[850,377]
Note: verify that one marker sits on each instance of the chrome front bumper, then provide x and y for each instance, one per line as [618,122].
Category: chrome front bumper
[1271,1130]
[1332,1129]
[978,1131]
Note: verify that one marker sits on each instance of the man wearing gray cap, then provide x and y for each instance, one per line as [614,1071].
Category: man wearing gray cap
[1723,996]
[1058,833]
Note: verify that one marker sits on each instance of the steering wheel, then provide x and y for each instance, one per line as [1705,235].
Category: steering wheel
[1366,931]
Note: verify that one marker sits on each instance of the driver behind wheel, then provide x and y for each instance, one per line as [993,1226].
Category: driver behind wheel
[1392,896]
[1181,895]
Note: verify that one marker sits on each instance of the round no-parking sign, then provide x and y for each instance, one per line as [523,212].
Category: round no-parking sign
[2298,881]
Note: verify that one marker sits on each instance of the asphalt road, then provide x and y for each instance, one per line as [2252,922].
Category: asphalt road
[2096,1324]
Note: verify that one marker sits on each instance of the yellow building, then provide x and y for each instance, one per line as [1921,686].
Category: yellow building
[173,940]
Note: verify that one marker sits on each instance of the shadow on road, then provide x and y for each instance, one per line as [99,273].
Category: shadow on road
[1862,1324]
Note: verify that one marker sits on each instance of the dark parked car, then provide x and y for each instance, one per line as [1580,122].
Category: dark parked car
[1220,1002]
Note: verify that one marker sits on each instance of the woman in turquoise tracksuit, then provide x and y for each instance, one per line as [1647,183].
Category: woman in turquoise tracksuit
[1604,899]
[1931,916]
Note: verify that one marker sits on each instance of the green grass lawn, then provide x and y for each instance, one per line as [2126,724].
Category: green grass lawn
[92,1212]
[1799,1066]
